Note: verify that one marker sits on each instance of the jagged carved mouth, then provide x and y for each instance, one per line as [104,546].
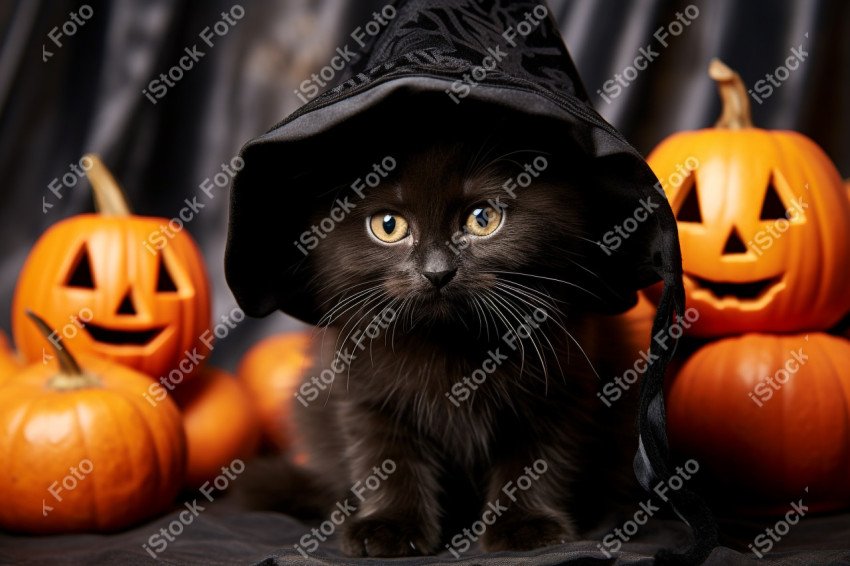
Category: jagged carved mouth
[749,291]
[116,337]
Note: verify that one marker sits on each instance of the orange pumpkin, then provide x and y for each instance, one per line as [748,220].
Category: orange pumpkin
[767,416]
[764,223]
[221,423]
[9,361]
[271,371]
[81,448]
[98,280]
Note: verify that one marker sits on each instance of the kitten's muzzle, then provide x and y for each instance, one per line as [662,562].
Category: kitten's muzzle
[439,279]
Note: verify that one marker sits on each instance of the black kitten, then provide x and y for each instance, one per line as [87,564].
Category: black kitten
[457,381]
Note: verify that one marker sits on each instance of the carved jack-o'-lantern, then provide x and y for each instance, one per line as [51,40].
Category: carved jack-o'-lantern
[764,223]
[106,293]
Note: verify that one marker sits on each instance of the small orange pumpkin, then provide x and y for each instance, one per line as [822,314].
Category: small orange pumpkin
[81,448]
[221,423]
[10,363]
[97,279]
[767,416]
[764,223]
[271,371]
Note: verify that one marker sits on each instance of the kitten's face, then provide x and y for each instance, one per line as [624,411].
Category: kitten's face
[449,235]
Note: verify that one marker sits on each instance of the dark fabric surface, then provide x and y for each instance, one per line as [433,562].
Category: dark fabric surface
[225,534]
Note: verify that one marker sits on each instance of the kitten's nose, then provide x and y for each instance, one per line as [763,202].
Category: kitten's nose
[439,279]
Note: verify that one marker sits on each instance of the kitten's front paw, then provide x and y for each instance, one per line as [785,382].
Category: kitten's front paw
[527,533]
[375,536]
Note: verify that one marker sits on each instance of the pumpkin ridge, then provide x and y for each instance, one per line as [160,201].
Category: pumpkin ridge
[838,376]
[81,434]
[150,437]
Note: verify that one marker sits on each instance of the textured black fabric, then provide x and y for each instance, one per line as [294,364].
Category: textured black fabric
[425,47]
[226,533]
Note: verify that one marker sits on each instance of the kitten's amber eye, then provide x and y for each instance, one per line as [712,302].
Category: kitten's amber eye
[388,228]
[483,221]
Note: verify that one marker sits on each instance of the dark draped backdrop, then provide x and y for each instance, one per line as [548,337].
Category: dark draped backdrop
[57,103]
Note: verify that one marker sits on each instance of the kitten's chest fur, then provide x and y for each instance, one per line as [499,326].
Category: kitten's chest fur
[462,396]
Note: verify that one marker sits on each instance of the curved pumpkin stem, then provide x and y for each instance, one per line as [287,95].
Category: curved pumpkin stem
[733,93]
[109,199]
[71,375]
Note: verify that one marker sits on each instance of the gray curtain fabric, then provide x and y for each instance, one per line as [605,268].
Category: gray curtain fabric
[57,103]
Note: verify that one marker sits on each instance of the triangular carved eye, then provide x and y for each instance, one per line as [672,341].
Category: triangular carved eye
[80,275]
[164,282]
[772,208]
[689,211]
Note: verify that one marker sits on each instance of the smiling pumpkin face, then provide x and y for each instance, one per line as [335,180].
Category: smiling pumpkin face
[764,224]
[108,294]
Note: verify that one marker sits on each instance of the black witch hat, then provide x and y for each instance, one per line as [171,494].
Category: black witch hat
[500,56]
